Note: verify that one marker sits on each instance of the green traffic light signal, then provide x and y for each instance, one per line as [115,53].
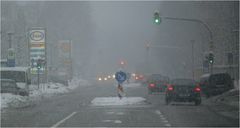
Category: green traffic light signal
[211,58]
[211,61]
[157,18]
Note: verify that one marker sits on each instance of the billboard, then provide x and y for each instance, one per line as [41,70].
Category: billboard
[37,49]
[65,61]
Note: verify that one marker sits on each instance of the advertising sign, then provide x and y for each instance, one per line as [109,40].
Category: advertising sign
[37,49]
[64,55]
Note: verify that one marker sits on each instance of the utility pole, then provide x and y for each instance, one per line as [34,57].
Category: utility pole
[192,42]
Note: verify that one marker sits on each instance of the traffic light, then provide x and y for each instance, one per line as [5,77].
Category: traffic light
[39,64]
[211,58]
[157,18]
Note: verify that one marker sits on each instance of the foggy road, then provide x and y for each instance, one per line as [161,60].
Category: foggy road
[75,110]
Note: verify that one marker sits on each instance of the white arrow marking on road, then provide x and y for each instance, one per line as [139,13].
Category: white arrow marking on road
[63,120]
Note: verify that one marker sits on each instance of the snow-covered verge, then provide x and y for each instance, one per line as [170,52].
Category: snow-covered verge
[226,104]
[45,90]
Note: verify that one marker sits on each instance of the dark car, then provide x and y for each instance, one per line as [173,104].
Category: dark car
[183,90]
[10,86]
[157,83]
[215,84]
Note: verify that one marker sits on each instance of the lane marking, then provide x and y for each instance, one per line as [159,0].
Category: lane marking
[158,112]
[107,121]
[163,119]
[118,121]
[168,125]
[120,113]
[110,113]
[63,120]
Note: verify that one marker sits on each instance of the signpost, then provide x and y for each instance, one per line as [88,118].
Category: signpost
[37,53]
[121,76]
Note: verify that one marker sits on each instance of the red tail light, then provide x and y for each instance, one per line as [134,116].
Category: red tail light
[152,85]
[197,89]
[170,88]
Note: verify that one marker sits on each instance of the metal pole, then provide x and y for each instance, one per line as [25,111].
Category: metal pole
[211,45]
[192,41]
[192,20]
[147,57]
[38,78]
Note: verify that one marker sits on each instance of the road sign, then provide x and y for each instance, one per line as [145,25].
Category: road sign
[121,76]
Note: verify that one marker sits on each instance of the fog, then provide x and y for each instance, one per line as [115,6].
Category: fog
[105,33]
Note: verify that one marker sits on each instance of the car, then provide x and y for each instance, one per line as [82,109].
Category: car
[216,84]
[10,86]
[139,78]
[157,83]
[183,90]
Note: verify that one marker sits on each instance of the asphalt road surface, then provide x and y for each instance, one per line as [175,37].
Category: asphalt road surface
[76,110]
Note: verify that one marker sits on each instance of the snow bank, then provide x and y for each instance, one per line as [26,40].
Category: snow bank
[45,90]
[75,82]
[115,101]
[11,100]
[132,85]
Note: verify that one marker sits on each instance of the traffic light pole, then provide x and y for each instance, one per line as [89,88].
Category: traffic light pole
[200,22]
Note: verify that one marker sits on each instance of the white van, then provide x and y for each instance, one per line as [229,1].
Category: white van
[21,75]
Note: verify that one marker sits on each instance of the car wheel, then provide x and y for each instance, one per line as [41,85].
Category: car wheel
[197,102]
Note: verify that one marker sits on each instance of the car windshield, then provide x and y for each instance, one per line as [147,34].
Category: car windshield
[119,63]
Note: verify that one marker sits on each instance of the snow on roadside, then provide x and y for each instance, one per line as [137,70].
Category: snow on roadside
[46,90]
[115,101]
[75,82]
[132,85]
[11,100]
[230,98]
